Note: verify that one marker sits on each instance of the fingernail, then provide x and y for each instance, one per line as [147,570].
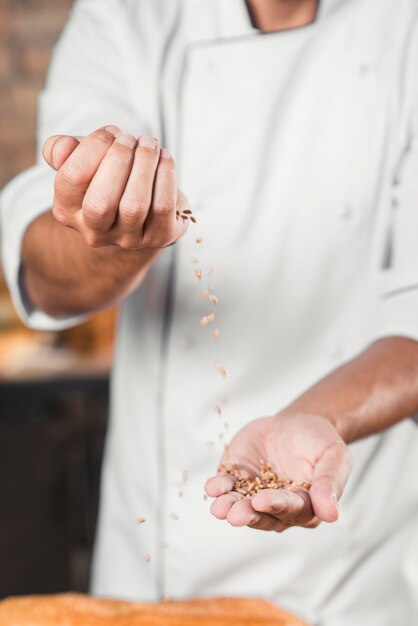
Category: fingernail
[335,502]
[126,140]
[53,155]
[165,154]
[113,130]
[146,141]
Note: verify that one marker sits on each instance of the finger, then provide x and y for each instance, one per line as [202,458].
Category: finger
[330,476]
[75,175]
[242,513]
[221,506]
[102,198]
[314,523]
[58,148]
[218,485]
[161,226]
[290,507]
[137,197]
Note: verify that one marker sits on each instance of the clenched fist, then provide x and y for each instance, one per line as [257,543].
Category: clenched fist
[116,190]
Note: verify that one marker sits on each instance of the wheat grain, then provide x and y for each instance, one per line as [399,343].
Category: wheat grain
[268,479]
[221,370]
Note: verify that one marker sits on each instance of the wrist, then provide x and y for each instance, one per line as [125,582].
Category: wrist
[341,423]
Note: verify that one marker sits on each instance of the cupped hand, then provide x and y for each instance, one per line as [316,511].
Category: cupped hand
[116,190]
[301,448]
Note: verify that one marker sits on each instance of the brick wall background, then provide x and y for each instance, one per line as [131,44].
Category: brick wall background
[28,30]
[51,428]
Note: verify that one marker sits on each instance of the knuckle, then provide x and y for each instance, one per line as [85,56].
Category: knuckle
[61,215]
[120,154]
[148,155]
[155,242]
[93,239]
[103,136]
[96,209]
[130,242]
[72,174]
[163,207]
[134,208]
[301,517]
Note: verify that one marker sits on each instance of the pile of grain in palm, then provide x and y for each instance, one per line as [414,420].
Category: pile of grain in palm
[248,486]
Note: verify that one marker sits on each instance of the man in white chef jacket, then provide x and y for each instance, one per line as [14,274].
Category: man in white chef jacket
[292,129]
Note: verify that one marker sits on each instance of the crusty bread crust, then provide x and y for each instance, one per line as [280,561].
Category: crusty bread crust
[72,609]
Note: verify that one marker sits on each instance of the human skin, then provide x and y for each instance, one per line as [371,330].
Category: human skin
[307,441]
[274,15]
[114,210]
[114,205]
[96,246]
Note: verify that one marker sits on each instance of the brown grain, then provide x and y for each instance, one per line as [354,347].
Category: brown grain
[267,479]
[221,370]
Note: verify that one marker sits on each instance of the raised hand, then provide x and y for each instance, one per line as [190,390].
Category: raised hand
[116,190]
[302,448]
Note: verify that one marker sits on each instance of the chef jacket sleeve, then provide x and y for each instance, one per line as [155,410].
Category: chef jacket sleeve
[87,87]
[397,297]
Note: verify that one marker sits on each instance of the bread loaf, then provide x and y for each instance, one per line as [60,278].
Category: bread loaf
[79,610]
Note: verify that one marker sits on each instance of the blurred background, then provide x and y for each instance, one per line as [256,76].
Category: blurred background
[53,386]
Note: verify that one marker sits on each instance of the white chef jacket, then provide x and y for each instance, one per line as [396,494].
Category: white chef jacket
[298,151]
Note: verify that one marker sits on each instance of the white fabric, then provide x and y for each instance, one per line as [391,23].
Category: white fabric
[298,152]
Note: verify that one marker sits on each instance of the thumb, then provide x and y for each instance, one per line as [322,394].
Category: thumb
[330,476]
[58,148]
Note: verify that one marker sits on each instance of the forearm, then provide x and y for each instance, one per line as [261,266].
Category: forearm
[64,276]
[372,392]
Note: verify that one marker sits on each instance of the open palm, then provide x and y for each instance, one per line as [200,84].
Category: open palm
[303,448]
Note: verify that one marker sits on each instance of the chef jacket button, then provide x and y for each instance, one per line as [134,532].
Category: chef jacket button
[365,66]
[344,211]
[188,343]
